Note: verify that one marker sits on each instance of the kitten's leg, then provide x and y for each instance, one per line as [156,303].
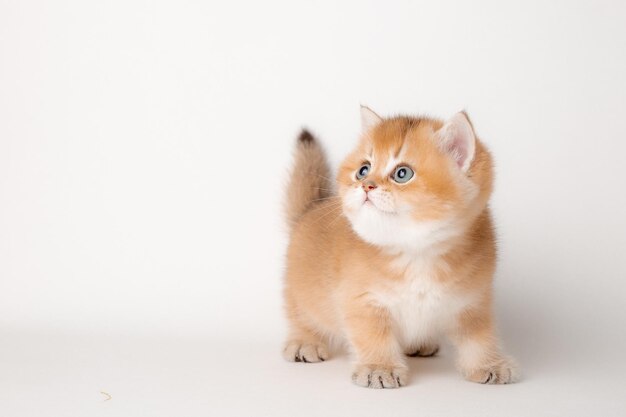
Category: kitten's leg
[380,360]
[480,358]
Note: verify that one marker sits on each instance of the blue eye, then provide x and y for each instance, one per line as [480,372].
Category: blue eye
[363,171]
[403,174]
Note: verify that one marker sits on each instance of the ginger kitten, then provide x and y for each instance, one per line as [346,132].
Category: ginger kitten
[402,255]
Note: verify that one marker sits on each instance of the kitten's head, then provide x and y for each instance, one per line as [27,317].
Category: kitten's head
[413,182]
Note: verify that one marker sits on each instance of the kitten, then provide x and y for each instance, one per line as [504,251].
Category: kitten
[402,255]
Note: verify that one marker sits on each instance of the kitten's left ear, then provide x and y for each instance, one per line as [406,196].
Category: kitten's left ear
[456,138]
[369,118]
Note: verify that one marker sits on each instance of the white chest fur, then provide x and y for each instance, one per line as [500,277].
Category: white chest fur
[421,306]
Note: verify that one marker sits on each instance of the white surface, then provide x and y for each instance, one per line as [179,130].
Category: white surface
[143,148]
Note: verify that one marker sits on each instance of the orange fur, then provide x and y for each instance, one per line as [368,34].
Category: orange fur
[362,281]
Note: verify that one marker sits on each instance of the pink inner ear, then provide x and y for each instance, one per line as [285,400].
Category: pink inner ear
[457,147]
[458,140]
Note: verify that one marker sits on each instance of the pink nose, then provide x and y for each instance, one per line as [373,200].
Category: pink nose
[368,186]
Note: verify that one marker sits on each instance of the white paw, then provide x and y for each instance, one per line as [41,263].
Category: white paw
[503,371]
[379,376]
[296,351]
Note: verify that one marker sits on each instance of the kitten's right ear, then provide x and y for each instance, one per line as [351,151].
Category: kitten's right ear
[369,118]
[457,139]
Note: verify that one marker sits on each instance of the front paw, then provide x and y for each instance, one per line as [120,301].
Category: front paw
[379,376]
[503,371]
[297,351]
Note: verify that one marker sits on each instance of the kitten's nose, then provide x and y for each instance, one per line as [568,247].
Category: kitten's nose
[368,186]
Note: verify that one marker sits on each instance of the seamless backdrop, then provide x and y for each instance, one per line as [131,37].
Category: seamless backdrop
[144,146]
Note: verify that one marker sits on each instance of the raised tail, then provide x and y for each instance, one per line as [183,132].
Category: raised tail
[309,179]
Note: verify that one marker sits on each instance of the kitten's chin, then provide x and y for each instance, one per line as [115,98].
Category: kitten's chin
[376,226]
[398,231]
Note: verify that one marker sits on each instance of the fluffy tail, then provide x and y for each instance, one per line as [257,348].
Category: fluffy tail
[309,179]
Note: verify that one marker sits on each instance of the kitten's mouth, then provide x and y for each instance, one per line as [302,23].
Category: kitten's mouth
[370,203]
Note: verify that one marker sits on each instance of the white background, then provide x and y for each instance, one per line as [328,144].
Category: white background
[143,150]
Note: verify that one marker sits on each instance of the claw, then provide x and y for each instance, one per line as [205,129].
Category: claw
[488,380]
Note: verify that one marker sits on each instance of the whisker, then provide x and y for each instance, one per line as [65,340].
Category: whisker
[326,178]
[335,210]
[332,204]
[326,198]
[333,222]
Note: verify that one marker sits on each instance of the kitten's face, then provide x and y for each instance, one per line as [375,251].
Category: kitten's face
[400,188]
